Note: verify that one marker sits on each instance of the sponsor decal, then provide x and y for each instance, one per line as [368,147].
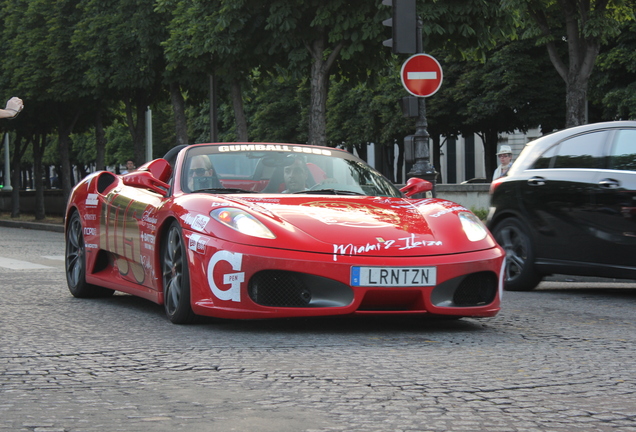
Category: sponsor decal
[149,220]
[262,200]
[197,222]
[350,214]
[449,210]
[91,200]
[90,217]
[148,238]
[120,233]
[402,243]
[197,243]
[273,147]
[149,241]
[146,262]
[233,280]
[90,246]
[90,231]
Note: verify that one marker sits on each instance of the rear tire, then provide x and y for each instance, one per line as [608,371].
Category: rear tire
[176,277]
[520,274]
[75,262]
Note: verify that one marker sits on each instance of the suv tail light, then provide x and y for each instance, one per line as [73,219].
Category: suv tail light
[495,183]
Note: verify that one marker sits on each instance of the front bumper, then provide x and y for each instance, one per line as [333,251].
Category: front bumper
[237,281]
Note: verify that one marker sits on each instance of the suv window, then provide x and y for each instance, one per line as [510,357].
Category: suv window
[583,151]
[623,154]
[544,160]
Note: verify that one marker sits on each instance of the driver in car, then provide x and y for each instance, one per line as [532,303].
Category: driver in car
[201,174]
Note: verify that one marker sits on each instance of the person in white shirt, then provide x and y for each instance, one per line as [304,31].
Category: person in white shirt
[13,108]
[505,161]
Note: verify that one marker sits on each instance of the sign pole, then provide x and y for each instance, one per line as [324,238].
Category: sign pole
[422,167]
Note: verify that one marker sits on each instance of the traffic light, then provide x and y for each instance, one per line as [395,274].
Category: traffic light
[404,26]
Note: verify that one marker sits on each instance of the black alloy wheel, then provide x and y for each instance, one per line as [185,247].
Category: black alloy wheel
[75,262]
[176,278]
[520,274]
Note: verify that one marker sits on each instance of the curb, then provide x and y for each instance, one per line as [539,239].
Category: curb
[33,225]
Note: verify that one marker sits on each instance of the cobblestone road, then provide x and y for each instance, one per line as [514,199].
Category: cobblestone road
[553,360]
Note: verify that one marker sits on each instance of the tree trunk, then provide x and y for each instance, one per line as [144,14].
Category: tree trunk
[214,128]
[576,102]
[437,156]
[582,53]
[137,126]
[400,162]
[18,152]
[66,180]
[178,108]
[39,143]
[490,138]
[100,142]
[239,112]
[320,68]
[64,130]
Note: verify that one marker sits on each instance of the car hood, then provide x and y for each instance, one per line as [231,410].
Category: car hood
[375,226]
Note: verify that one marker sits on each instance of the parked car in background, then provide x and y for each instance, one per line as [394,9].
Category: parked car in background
[568,206]
[475,180]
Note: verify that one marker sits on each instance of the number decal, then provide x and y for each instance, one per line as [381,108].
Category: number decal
[120,234]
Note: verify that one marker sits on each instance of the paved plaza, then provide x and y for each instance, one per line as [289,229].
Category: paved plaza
[557,359]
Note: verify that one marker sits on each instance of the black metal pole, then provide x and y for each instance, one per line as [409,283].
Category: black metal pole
[422,167]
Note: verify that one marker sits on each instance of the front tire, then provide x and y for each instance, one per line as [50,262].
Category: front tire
[75,262]
[520,274]
[176,277]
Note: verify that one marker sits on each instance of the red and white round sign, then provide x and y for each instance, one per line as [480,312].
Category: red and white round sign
[421,75]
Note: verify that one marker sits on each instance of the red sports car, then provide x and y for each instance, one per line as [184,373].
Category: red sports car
[247,230]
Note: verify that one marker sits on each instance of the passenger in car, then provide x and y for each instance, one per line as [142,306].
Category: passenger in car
[296,176]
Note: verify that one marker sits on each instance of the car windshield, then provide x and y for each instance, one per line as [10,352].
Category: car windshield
[280,168]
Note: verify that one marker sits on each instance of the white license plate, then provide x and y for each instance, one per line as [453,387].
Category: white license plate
[393,276]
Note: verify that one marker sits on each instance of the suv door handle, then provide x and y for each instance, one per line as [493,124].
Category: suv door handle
[536,181]
[609,183]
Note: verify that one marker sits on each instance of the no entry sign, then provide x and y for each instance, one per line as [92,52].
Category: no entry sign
[421,75]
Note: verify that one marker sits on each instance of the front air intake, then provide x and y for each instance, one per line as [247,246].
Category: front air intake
[477,289]
[278,288]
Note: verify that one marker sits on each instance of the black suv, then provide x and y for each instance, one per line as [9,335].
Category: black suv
[568,206]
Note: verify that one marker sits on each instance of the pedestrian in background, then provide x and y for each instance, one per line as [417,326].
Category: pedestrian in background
[130,167]
[13,108]
[505,161]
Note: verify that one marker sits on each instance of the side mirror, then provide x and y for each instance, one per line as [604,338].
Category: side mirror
[152,175]
[416,185]
[159,168]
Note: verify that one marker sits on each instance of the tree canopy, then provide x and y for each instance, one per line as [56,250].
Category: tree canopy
[297,71]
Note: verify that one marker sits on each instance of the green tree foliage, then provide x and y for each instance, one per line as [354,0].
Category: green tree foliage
[614,82]
[40,64]
[119,44]
[464,28]
[294,71]
[515,88]
[582,27]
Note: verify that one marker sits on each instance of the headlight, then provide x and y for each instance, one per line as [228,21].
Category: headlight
[474,229]
[241,221]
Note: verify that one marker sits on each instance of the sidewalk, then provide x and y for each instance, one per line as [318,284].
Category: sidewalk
[54,227]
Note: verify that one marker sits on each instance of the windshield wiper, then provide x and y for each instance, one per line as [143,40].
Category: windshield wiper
[329,192]
[224,190]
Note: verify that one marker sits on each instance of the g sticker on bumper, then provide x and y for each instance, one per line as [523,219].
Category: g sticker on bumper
[234,280]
